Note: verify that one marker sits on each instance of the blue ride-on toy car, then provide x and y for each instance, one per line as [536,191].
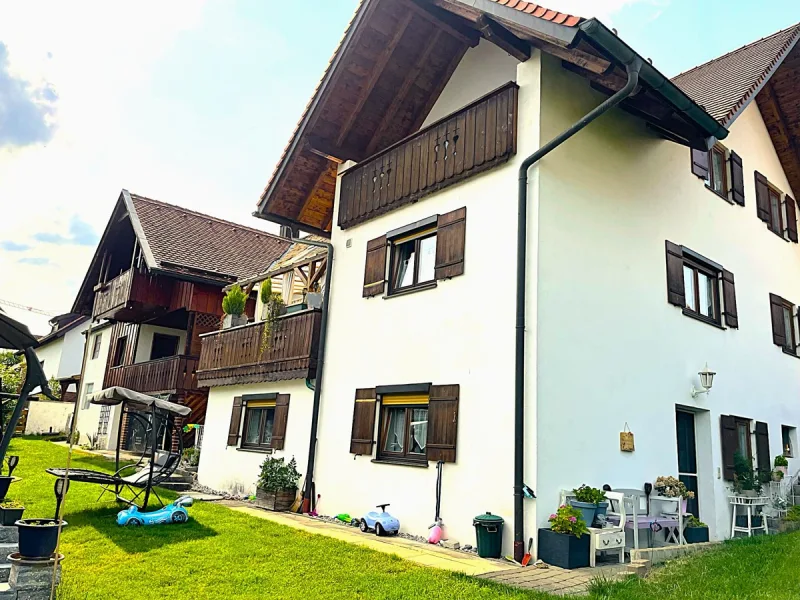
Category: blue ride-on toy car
[381,522]
[171,513]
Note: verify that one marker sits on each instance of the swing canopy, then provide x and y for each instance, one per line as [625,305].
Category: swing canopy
[136,401]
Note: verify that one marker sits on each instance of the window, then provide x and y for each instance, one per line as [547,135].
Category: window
[722,172]
[693,284]
[258,424]
[788,437]
[413,260]
[418,255]
[717,179]
[96,346]
[776,209]
[102,424]
[87,391]
[119,351]
[743,438]
[777,215]
[164,346]
[404,428]
[784,327]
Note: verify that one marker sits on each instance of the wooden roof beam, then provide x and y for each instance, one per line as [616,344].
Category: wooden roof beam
[590,62]
[445,21]
[770,100]
[377,70]
[437,90]
[504,39]
[336,153]
[401,94]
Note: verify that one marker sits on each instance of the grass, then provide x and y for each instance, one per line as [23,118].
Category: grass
[219,553]
[222,553]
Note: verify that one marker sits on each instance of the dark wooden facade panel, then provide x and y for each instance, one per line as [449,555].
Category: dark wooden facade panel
[465,143]
[176,375]
[362,434]
[443,422]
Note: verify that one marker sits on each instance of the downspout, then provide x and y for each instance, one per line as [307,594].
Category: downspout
[632,68]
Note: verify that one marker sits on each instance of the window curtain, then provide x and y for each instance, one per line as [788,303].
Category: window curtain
[395,430]
[418,431]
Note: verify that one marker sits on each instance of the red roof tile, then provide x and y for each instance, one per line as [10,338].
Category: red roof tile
[185,241]
[725,84]
[542,12]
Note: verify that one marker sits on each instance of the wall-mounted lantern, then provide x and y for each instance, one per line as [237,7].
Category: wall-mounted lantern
[706,381]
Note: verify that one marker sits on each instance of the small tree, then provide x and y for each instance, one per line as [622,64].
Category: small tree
[273,308]
[234,301]
[55,387]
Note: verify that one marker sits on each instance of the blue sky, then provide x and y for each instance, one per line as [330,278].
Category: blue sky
[192,102]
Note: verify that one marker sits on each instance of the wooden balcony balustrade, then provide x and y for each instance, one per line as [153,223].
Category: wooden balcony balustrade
[237,355]
[174,374]
[478,137]
[132,294]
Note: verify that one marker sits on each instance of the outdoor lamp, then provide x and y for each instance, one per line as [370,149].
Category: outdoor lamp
[12,461]
[706,381]
[60,488]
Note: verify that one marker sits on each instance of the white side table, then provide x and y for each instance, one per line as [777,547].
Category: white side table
[747,505]
[608,538]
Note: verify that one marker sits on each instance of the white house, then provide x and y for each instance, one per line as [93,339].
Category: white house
[659,239]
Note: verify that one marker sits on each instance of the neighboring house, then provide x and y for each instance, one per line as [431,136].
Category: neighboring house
[94,420]
[643,264]
[61,353]
[157,275]
[261,394]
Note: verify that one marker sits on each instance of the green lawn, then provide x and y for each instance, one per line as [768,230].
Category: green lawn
[221,553]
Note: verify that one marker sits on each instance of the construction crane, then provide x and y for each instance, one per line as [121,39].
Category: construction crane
[38,311]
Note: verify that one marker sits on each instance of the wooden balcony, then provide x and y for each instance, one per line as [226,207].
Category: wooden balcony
[132,295]
[474,139]
[173,375]
[234,356]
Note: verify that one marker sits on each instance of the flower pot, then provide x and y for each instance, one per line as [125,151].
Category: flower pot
[229,321]
[684,503]
[9,516]
[777,475]
[314,300]
[695,535]
[5,482]
[587,510]
[279,501]
[755,520]
[563,550]
[38,537]
[602,507]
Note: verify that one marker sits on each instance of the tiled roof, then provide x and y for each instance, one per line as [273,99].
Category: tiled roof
[67,325]
[724,85]
[297,254]
[186,241]
[546,14]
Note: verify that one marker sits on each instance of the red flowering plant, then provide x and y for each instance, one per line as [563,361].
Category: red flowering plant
[568,520]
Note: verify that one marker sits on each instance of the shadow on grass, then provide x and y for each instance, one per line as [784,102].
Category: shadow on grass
[137,540]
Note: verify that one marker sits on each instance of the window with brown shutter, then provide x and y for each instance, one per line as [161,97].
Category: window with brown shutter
[729,443]
[776,209]
[737,178]
[375,268]
[403,428]
[783,324]
[675,291]
[281,420]
[762,197]
[729,298]
[791,218]
[362,435]
[700,163]
[763,457]
[722,172]
[443,422]
[450,245]
[693,284]
[236,421]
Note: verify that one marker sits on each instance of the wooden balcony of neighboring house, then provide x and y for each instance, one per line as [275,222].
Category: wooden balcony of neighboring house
[240,355]
[478,137]
[132,295]
[171,375]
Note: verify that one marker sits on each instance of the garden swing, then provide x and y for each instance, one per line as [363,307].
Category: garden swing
[158,436]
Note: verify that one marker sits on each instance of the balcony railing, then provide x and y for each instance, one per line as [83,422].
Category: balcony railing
[132,294]
[114,295]
[478,137]
[174,375]
[238,355]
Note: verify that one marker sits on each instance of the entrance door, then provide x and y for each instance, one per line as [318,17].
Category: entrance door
[687,457]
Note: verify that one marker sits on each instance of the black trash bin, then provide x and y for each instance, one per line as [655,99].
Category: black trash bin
[489,534]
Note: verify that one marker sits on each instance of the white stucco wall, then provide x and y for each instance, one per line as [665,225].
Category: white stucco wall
[71,353]
[461,332]
[88,415]
[45,416]
[611,349]
[145,343]
[50,353]
[228,468]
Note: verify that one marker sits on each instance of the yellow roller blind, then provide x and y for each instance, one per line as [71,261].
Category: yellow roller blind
[404,399]
[260,403]
[413,235]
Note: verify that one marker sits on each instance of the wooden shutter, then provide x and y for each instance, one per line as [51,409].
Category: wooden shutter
[443,422]
[451,231]
[729,297]
[762,197]
[236,422]
[791,218]
[763,459]
[279,424]
[737,178]
[729,441]
[675,292]
[362,435]
[700,163]
[778,332]
[375,268]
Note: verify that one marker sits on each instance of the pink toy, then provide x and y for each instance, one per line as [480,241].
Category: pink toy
[435,534]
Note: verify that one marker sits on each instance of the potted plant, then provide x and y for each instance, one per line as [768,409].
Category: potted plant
[10,512]
[696,531]
[272,307]
[777,475]
[671,487]
[564,544]
[781,464]
[277,484]
[233,305]
[314,296]
[746,481]
[588,500]
[38,537]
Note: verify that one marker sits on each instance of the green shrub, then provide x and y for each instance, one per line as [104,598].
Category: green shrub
[589,494]
[234,301]
[780,461]
[793,513]
[695,522]
[568,520]
[276,474]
